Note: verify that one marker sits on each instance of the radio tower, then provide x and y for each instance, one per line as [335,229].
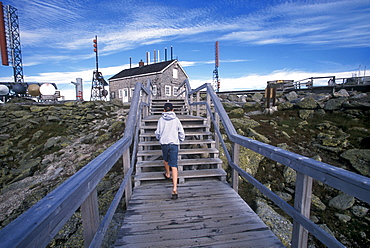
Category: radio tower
[97,89]
[216,80]
[10,40]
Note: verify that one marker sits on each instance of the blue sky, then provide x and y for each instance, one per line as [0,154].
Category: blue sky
[258,40]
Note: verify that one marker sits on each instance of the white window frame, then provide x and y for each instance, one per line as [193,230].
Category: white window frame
[120,93]
[175,91]
[154,90]
[167,90]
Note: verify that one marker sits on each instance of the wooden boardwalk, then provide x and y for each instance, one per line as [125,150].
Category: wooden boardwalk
[208,213]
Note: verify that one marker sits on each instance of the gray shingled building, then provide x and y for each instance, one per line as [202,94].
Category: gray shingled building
[165,76]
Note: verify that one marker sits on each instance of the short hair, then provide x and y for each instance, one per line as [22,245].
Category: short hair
[168,106]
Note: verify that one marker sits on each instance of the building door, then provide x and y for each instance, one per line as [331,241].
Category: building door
[125,95]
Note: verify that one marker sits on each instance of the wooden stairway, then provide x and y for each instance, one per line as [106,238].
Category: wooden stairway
[198,156]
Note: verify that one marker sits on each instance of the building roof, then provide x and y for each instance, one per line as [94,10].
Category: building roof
[143,70]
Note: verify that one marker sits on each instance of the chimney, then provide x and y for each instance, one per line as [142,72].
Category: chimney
[165,54]
[141,63]
[147,58]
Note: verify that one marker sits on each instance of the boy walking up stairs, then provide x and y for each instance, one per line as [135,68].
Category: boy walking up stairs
[170,133]
[197,155]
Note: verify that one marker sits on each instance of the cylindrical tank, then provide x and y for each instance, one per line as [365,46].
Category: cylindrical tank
[19,89]
[34,90]
[47,89]
[4,90]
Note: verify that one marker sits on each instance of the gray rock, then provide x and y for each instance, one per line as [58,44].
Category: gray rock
[285,196]
[343,217]
[359,159]
[249,160]
[341,93]
[342,201]
[52,142]
[279,225]
[359,211]
[317,203]
[326,229]
[334,104]
[257,97]
[285,106]
[291,96]
[289,175]
[307,103]
[304,114]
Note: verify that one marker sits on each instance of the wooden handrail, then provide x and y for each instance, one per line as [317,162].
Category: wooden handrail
[38,225]
[307,168]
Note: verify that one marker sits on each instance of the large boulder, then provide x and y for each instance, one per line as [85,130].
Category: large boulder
[307,103]
[342,201]
[359,159]
[291,96]
[334,104]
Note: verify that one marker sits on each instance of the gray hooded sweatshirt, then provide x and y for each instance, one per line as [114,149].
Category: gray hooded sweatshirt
[169,129]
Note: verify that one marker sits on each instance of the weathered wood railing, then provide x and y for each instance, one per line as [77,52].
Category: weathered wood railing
[307,169]
[39,224]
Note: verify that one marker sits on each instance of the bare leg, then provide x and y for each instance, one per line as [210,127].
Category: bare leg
[174,179]
[167,167]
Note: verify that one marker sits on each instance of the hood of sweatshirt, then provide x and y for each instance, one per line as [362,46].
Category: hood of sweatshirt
[168,115]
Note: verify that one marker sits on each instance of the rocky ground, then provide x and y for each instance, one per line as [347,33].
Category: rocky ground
[333,128]
[42,145]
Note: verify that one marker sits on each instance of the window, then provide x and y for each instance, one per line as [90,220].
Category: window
[120,95]
[167,91]
[113,95]
[175,73]
[154,90]
[132,92]
[175,91]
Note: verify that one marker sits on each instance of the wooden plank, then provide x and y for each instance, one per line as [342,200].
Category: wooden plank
[207,213]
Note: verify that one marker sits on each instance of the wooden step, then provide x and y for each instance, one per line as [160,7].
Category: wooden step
[184,125]
[187,134]
[150,176]
[185,142]
[181,152]
[181,162]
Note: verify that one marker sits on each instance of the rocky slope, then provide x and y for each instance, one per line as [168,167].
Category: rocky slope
[333,128]
[42,145]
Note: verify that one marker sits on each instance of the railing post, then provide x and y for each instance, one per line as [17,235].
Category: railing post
[209,114]
[198,100]
[90,217]
[126,167]
[302,202]
[217,126]
[235,174]
[191,104]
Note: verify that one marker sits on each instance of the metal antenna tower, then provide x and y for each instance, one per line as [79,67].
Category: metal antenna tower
[216,80]
[13,41]
[97,89]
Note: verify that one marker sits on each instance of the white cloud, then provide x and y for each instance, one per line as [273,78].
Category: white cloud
[256,81]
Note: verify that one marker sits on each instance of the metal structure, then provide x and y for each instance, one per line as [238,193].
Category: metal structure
[11,43]
[98,92]
[216,80]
